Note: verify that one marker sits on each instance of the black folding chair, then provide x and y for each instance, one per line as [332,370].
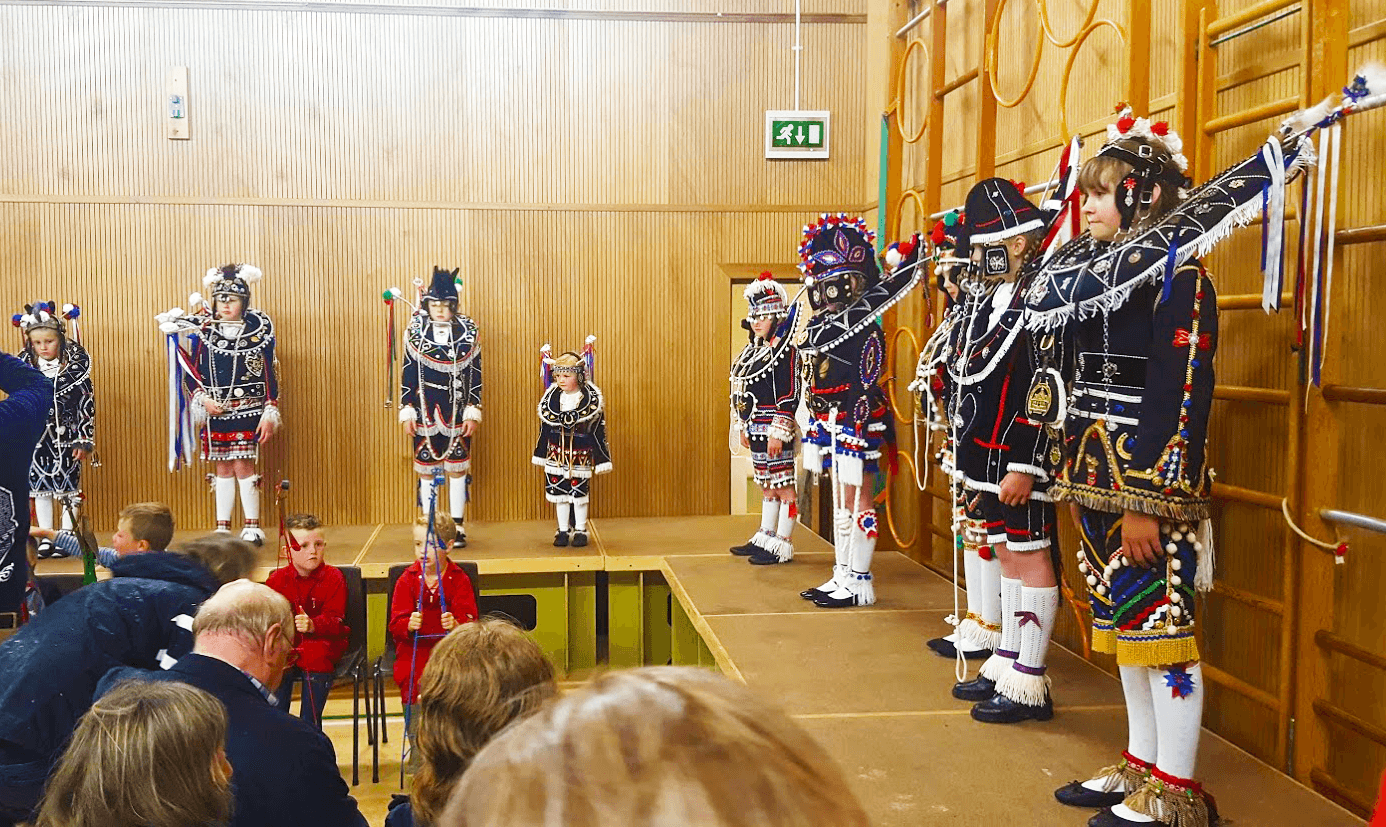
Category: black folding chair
[385,664]
[353,666]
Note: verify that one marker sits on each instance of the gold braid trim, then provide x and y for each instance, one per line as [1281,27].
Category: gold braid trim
[1125,776]
[1153,652]
[1115,502]
[1104,640]
[1169,804]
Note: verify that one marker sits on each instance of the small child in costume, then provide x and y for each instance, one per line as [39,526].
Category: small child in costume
[765,396]
[317,592]
[440,402]
[431,598]
[572,446]
[55,474]
[140,527]
[227,382]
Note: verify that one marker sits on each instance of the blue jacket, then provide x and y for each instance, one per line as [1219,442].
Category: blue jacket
[49,669]
[23,414]
[284,769]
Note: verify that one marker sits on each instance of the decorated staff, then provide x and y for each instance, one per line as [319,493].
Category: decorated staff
[572,446]
[852,427]
[223,382]
[979,630]
[440,399]
[764,398]
[1139,321]
[69,435]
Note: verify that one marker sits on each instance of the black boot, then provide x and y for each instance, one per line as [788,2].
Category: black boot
[579,539]
[977,689]
[1074,794]
[998,709]
[560,539]
[762,557]
[745,550]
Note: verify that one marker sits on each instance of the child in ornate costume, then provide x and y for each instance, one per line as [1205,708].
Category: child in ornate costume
[224,376]
[765,396]
[440,401]
[980,628]
[572,445]
[1140,327]
[845,359]
[1000,451]
[55,474]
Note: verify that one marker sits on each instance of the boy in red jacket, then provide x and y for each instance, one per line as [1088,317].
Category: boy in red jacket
[431,598]
[317,592]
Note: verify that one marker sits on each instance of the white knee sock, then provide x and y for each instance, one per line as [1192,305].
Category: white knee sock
[66,519]
[250,498]
[842,539]
[226,500]
[861,548]
[1026,680]
[1178,702]
[1008,648]
[989,599]
[457,498]
[769,517]
[970,637]
[564,511]
[425,492]
[1141,739]
[788,517]
[580,516]
[43,510]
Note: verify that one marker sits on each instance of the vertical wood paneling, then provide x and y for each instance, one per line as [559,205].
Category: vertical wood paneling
[555,161]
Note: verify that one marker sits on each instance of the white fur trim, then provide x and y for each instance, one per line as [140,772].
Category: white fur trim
[271,415]
[471,414]
[1032,545]
[249,272]
[1021,687]
[1000,235]
[212,277]
[537,461]
[602,468]
[1033,470]
[408,414]
[978,485]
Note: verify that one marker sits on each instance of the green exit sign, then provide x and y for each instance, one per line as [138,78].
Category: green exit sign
[796,134]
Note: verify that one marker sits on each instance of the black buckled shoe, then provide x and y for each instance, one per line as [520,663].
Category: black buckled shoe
[946,648]
[1074,794]
[827,601]
[812,594]
[761,557]
[745,550]
[976,690]
[579,539]
[560,539]
[998,709]
[46,549]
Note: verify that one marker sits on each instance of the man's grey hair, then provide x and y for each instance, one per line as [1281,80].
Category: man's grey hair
[244,609]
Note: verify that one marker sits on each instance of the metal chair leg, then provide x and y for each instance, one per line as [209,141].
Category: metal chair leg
[355,731]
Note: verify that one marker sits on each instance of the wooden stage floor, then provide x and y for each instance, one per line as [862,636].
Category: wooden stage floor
[860,680]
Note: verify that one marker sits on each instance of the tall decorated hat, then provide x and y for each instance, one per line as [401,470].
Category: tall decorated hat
[838,260]
[443,286]
[1155,153]
[997,209]
[765,297]
[231,281]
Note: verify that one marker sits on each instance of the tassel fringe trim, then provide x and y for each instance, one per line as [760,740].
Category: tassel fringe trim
[996,668]
[1128,776]
[1031,690]
[976,635]
[1172,802]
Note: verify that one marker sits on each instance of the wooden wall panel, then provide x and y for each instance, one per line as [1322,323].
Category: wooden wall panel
[587,175]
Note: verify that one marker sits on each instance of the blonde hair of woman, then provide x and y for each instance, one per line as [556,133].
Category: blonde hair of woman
[147,754]
[655,747]
[479,679]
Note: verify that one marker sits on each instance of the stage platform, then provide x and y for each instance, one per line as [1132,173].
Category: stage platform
[860,680]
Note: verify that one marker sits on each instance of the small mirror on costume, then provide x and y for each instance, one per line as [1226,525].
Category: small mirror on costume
[998,261]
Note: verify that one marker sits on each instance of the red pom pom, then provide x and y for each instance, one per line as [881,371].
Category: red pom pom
[765,275]
[937,236]
[1121,105]
[907,247]
[1124,124]
[1020,186]
[1160,128]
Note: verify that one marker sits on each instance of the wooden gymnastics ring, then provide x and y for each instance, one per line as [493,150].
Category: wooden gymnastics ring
[992,37]
[890,367]
[889,512]
[1068,68]
[899,207]
[900,100]
[1049,30]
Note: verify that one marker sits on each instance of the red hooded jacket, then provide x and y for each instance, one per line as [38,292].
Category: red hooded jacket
[322,596]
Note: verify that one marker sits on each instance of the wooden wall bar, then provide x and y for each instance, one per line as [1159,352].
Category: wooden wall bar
[596,174]
[1270,679]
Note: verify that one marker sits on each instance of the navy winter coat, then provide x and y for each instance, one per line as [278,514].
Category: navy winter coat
[50,668]
[23,412]
[284,769]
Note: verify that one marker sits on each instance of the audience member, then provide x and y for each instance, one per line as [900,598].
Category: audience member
[140,527]
[654,747]
[285,768]
[149,754]
[431,598]
[317,592]
[23,413]
[480,678]
[50,668]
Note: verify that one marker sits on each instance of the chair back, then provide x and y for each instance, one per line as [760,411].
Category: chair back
[356,619]
[65,583]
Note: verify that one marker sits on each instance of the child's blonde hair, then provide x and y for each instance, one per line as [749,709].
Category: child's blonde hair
[1103,173]
[653,746]
[151,522]
[480,678]
[443,527]
[142,756]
